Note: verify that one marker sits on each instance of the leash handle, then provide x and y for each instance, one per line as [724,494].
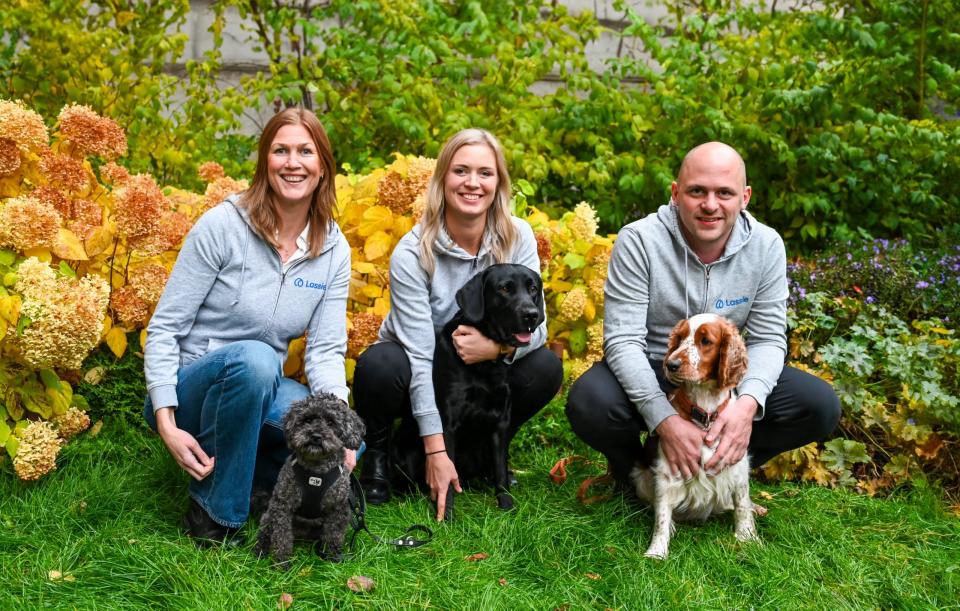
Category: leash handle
[358,504]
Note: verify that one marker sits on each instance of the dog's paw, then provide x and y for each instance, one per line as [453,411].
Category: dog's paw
[656,552]
[505,501]
[747,533]
[281,564]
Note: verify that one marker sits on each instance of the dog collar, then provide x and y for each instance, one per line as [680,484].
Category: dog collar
[693,412]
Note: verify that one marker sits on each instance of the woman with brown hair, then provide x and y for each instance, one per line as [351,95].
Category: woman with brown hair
[255,272]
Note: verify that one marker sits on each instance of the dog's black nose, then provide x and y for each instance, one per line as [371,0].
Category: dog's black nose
[529,317]
[673,365]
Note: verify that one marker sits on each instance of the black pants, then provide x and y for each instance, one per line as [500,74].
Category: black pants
[802,408]
[381,391]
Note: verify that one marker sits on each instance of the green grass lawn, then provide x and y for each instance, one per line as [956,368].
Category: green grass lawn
[108,521]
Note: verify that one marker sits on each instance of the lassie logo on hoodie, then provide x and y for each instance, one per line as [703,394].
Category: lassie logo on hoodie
[729,303]
[300,283]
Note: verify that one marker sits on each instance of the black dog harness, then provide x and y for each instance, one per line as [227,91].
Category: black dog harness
[314,486]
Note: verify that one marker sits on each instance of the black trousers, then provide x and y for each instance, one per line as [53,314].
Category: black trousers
[802,408]
[381,391]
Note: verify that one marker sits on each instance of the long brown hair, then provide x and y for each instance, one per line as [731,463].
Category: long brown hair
[260,201]
[499,225]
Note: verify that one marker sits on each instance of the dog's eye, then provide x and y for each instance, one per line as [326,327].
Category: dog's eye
[504,289]
[705,341]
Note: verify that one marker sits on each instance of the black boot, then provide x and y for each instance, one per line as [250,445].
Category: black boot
[205,532]
[375,472]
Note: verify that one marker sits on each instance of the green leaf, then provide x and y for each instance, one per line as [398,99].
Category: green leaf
[525,187]
[574,261]
[50,379]
[7,257]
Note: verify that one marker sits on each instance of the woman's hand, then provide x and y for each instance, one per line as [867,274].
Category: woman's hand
[349,459]
[182,446]
[440,472]
[473,346]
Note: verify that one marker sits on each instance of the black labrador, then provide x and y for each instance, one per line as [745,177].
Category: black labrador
[505,303]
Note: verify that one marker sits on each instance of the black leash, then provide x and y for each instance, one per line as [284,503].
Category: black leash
[358,505]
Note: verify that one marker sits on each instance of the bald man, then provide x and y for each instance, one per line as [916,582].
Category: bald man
[701,252]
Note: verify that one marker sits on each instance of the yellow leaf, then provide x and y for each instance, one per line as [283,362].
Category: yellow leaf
[372,291]
[381,307]
[350,365]
[10,308]
[117,341]
[377,218]
[143,338]
[107,325]
[377,245]
[402,225]
[68,246]
[3,329]
[589,310]
[100,240]
[40,253]
[560,286]
[364,267]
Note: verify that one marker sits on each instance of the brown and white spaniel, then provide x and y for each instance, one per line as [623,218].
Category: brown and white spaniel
[706,358]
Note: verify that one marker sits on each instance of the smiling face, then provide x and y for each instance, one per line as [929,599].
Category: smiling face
[710,192]
[293,166]
[470,184]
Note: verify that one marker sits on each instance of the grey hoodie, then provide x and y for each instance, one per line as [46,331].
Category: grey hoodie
[420,306]
[227,285]
[654,280]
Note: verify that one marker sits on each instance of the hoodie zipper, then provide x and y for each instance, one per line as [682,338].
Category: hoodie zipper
[706,287]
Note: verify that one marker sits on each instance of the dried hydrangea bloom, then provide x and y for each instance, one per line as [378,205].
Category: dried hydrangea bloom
[37,454]
[398,192]
[572,307]
[26,222]
[9,157]
[417,207]
[54,198]
[595,341]
[91,134]
[23,126]
[85,216]
[130,309]
[71,423]
[114,174]
[210,171]
[583,223]
[172,228]
[148,281]
[578,367]
[544,250]
[595,285]
[218,190]
[66,316]
[63,172]
[366,326]
[138,205]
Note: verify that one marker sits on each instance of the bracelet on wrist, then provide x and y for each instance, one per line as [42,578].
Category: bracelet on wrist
[436,452]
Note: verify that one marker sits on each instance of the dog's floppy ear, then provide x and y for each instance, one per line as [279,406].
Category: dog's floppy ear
[470,297]
[680,331]
[732,364]
[349,427]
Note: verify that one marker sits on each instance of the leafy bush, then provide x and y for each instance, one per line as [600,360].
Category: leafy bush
[899,386]
[910,282]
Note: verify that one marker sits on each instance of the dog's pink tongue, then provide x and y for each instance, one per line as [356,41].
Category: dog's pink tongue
[523,338]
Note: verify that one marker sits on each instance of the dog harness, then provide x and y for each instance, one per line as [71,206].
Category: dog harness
[693,412]
[314,486]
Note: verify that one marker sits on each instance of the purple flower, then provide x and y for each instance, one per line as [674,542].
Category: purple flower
[922,284]
[870,299]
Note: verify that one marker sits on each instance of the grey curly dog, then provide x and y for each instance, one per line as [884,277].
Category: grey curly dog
[310,500]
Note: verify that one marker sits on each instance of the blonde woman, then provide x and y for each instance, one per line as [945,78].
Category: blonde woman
[465,228]
[255,272]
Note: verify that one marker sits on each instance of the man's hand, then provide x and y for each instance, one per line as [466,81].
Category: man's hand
[182,446]
[473,346]
[680,442]
[732,430]
[349,459]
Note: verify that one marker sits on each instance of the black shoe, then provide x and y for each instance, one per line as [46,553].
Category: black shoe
[374,480]
[205,532]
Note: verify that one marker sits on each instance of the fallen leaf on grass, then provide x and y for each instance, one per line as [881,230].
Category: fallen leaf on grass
[359,583]
[502,581]
[95,429]
[95,375]
[593,576]
[54,575]
[611,550]
[763,494]
[285,601]
[475,557]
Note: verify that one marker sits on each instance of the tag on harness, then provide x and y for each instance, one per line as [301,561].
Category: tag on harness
[700,416]
[315,481]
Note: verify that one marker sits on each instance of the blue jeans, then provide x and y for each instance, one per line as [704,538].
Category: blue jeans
[232,400]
